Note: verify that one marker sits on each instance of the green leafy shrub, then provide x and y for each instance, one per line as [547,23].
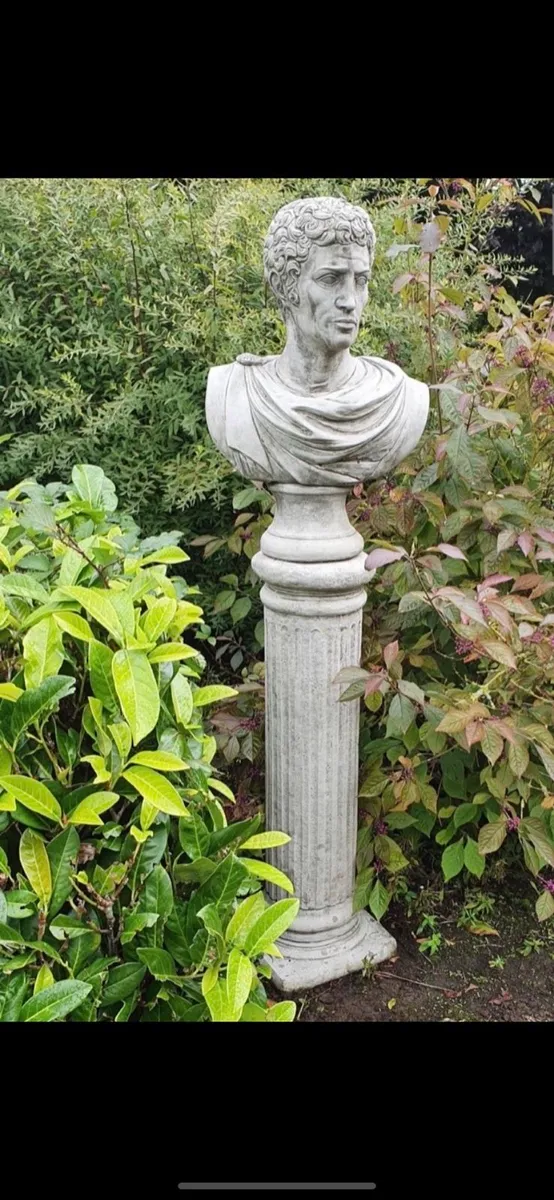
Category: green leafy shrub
[124,891]
[458,667]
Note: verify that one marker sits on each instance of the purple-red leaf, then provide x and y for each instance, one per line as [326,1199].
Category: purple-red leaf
[547,535]
[390,653]
[401,281]
[526,543]
[492,580]
[381,558]
[451,551]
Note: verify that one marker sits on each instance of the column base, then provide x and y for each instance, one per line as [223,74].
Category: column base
[310,962]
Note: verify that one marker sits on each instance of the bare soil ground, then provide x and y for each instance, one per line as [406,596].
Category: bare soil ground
[472,977]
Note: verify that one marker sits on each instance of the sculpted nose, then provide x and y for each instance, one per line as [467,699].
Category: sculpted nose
[347,301]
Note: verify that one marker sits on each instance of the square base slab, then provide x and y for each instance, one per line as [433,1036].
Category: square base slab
[309,963]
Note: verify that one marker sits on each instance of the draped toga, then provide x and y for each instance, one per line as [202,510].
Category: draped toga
[357,432]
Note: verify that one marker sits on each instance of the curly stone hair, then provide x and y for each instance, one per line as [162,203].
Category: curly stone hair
[321,221]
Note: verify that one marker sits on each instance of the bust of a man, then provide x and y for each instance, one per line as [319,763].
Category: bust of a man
[316,414]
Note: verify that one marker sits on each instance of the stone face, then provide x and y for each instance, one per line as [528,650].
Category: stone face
[311,422]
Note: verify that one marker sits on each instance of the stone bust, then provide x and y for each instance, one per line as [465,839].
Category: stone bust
[316,414]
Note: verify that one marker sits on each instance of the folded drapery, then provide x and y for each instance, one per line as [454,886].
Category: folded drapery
[358,432]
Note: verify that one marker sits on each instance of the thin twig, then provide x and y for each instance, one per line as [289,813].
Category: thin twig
[430,336]
[66,537]
[419,982]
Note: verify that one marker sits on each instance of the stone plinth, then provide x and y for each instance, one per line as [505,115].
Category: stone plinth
[312,567]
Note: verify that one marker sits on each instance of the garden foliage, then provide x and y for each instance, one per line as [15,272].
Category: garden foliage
[124,891]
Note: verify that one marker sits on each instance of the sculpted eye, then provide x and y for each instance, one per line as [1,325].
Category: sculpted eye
[329,278]
[361,280]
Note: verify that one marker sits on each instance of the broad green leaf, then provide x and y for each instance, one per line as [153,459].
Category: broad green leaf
[210,978]
[140,835]
[491,743]
[452,860]
[121,735]
[240,609]
[238,981]
[167,554]
[194,836]
[9,691]
[42,652]
[13,998]
[98,763]
[499,652]
[67,927]
[135,923]
[100,659]
[263,870]
[470,465]
[158,893]
[72,565]
[213,693]
[491,836]
[546,759]
[156,789]
[400,716]
[10,937]
[181,695]
[7,801]
[88,482]
[148,814]
[159,618]
[171,652]
[270,925]
[24,586]
[218,1004]
[33,795]
[216,785]
[62,853]
[411,690]
[74,625]
[88,811]
[464,814]
[160,760]
[194,872]
[244,917]
[473,859]
[544,906]
[285,1010]
[44,979]
[222,885]
[210,917]
[97,602]
[518,758]
[37,702]
[137,691]
[122,982]
[55,1002]
[159,962]
[253,1012]
[534,830]
[263,841]
[123,604]
[379,899]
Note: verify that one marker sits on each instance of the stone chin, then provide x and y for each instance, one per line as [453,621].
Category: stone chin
[274,435]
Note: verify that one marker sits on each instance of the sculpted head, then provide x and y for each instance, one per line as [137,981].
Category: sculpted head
[318,256]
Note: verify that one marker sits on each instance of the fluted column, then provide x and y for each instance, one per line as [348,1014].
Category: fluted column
[312,566]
